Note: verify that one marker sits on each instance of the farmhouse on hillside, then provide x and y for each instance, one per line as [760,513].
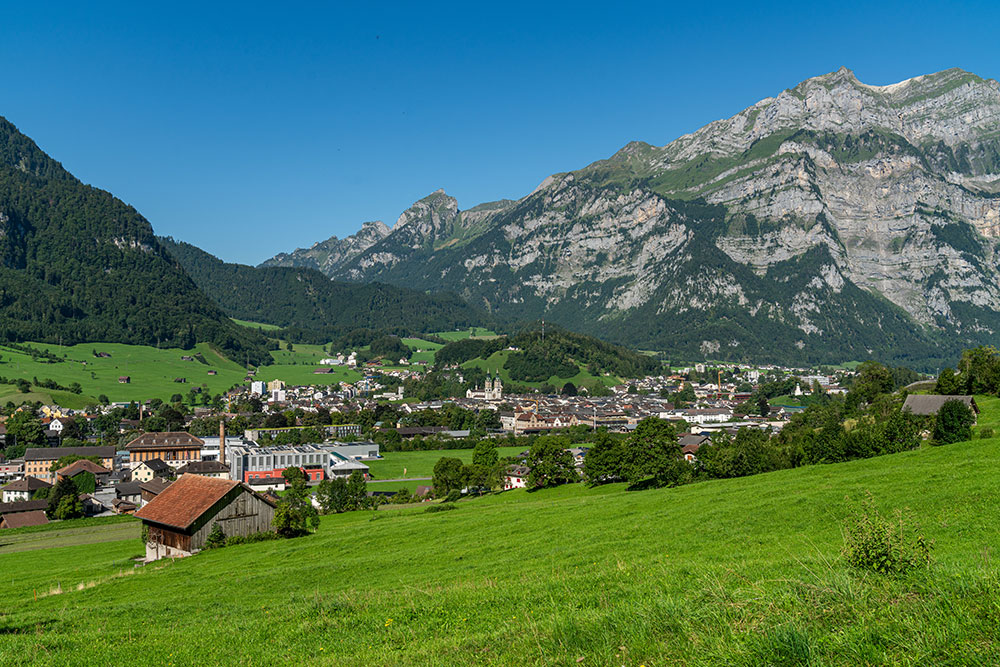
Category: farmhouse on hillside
[928,405]
[179,520]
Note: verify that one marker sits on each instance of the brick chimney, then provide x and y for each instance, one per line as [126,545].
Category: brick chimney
[222,440]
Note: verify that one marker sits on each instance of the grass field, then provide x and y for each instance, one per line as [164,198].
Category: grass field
[737,572]
[256,325]
[402,465]
[495,362]
[67,533]
[474,332]
[152,372]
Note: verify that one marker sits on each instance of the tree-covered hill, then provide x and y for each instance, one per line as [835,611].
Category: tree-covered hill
[300,298]
[537,356]
[78,265]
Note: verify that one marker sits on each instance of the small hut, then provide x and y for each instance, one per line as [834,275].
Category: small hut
[179,520]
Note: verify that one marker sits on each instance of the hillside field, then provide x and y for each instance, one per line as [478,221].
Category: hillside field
[152,371]
[421,464]
[495,362]
[737,572]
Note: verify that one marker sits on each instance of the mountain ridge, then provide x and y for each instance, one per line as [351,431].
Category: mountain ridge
[793,217]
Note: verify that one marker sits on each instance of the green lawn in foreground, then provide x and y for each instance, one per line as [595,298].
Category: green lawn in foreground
[421,464]
[730,572]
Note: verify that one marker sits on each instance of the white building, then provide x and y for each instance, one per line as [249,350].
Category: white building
[493,391]
[257,387]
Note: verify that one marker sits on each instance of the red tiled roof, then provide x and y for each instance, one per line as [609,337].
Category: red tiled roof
[82,465]
[22,519]
[181,503]
[164,440]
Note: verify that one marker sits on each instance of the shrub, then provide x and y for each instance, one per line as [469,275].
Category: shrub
[888,546]
[453,496]
[986,434]
[216,538]
[953,423]
[443,507]
[250,539]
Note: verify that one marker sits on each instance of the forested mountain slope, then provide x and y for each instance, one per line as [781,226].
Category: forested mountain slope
[303,298]
[78,265]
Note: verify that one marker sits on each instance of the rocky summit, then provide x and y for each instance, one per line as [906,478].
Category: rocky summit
[835,221]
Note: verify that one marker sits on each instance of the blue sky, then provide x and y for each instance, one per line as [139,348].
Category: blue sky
[249,130]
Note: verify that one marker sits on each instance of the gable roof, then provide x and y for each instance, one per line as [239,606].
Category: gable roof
[168,439]
[30,484]
[920,404]
[203,467]
[156,465]
[154,486]
[187,499]
[83,465]
[23,506]
[22,519]
[128,489]
[56,453]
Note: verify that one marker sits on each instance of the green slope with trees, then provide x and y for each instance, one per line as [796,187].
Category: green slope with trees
[750,571]
[78,265]
[307,304]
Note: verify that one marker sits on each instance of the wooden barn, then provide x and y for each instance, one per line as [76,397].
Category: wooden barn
[179,520]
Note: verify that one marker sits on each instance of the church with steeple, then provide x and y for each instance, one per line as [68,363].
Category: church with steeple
[493,391]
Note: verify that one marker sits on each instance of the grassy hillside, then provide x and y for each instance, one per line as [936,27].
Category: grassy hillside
[742,572]
[421,464]
[152,371]
[495,362]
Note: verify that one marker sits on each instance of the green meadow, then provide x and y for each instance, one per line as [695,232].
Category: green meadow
[403,465]
[152,371]
[729,572]
[495,363]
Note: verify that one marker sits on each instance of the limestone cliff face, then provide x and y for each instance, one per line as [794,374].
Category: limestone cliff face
[330,255]
[836,220]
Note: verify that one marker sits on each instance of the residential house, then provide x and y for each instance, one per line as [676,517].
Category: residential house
[23,489]
[180,519]
[206,468]
[23,519]
[147,470]
[84,466]
[173,447]
[516,477]
[929,405]
[38,460]
[151,489]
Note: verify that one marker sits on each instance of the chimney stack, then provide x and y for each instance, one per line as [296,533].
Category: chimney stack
[222,440]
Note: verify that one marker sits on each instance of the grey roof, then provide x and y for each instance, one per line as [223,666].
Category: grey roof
[55,453]
[128,489]
[27,484]
[920,404]
[202,468]
[23,506]
[157,465]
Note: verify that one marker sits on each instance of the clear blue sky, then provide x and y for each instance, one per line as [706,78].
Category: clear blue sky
[252,130]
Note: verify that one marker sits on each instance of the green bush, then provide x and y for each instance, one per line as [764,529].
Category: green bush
[986,434]
[443,507]
[250,539]
[216,538]
[453,496]
[888,546]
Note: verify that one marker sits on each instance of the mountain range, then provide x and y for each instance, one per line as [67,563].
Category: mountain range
[834,221]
